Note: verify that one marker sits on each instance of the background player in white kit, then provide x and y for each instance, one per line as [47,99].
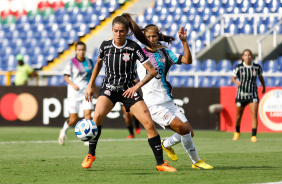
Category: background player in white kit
[157,94]
[77,74]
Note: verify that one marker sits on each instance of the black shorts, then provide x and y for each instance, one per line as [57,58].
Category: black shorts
[244,102]
[116,96]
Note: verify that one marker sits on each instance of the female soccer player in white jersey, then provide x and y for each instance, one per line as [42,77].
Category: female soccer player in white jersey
[158,97]
[247,92]
[119,56]
[77,74]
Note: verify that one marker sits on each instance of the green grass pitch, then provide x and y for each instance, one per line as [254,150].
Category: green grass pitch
[32,155]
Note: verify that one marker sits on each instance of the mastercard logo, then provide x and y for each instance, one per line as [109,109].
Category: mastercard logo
[22,106]
[270,110]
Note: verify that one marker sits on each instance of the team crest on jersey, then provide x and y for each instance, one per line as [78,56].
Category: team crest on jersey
[166,116]
[126,57]
[107,92]
[254,73]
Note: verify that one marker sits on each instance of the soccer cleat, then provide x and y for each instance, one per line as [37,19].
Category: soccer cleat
[170,152]
[236,136]
[165,167]
[130,137]
[138,130]
[87,162]
[201,165]
[62,137]
[254,139]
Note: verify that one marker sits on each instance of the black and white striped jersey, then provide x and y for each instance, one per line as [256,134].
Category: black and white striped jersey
[247,76]
[120,63]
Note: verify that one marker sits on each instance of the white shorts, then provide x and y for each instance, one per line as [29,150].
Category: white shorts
[75,105]
[163,114]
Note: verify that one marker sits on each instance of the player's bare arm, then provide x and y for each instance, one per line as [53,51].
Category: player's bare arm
[89,89]
[187,58]
[151,74]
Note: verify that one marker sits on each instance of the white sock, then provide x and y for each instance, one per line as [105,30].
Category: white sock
[173,140]
[65,127]
[190,148]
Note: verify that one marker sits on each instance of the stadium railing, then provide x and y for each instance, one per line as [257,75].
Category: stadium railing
[221,20]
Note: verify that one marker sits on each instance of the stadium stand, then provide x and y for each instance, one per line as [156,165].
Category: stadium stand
[47,30]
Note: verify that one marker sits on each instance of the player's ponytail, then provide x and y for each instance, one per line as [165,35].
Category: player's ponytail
[130,24]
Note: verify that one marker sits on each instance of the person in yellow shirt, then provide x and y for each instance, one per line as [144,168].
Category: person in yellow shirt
[24,71]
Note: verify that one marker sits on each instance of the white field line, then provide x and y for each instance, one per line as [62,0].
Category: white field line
[122,140]
[278,182]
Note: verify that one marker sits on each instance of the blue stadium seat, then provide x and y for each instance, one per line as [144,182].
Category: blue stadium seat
[92,21]
[112,6]
[71,36]
[245,5]
[6,51]
[208,65]
[55,35]
[3,80]
[13,35]
[195,66]
[205,82]
[61,45]
[64,19]
[159,5]
[232,29]
[60,12]
[168,22]
[23,20]
[51,19]
[247,29]
[189,82]
[82,29]
[271,21]
[279,63]
[221,81]
[261,29]
[177,13]
[206,14]
[177,81]
[241,21]
[192,13]
[270,66]
[33,51]
[37,19]
[269,81]
[259,6]
[173,5]
[149,13]
[216,5]
[4,43]
[274,6]
[77,19]
[230,5]
[278,81]
[187,5]
[199,45]
[103,13]
[98,5]
[224,65]
[201,6]
[235,63]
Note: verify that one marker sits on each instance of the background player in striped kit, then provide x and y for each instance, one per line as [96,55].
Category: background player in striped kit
[247,92]
[119,56]
[157,94]
[77,74]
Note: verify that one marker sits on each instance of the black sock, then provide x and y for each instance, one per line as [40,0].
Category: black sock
[155,143]
[137,123]
[238,129]
[254,132]
[93,143]
[130,129]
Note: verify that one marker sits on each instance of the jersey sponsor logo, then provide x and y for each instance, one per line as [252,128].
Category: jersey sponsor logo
[270,109]
[108,46]
[126,57]
[107,92]
[129,48]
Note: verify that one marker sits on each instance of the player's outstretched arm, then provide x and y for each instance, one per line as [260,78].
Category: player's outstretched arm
[187,58]
[262,83]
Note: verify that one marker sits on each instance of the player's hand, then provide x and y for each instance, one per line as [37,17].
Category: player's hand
[75,87]
[263,91]
[88,93]
[182,34]
[129,93]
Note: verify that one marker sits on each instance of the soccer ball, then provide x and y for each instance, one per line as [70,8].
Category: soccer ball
[86,130]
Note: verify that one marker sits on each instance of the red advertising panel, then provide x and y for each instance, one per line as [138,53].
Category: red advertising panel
[269,112]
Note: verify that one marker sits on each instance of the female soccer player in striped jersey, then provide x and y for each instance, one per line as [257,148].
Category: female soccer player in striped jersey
[247,92]
[157,94]
[119,56]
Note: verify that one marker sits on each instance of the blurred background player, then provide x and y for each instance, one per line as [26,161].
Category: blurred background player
[77,74]
[23,72]
[247,91]
[119,56]
[157,94]
[129,121]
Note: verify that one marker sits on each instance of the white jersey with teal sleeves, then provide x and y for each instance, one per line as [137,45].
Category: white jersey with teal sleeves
[158,90]
[79,73]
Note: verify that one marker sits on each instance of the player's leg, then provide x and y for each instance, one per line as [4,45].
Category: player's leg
[239,113]
[254,110]
[73,111]
[137,125]
[141,112]
[88,108]
[128,121]
[103,106]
